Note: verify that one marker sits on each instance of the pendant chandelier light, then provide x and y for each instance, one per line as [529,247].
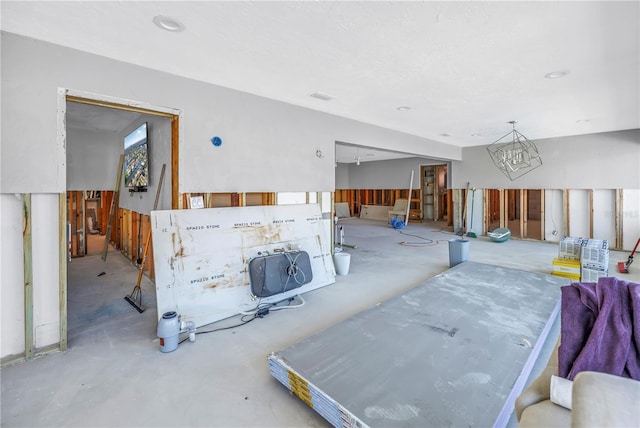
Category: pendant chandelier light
[514,154]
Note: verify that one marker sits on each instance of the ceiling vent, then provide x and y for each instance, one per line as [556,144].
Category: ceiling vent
[322,96]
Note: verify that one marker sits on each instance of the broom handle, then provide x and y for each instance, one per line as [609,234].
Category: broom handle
[148,239]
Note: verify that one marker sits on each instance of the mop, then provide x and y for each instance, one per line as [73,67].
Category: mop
[623,267]
[135,298]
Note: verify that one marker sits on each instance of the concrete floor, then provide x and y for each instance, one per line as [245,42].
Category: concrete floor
[114,375]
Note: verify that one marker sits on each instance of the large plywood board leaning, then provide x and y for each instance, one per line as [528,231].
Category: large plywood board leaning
[201,256]
[454,351]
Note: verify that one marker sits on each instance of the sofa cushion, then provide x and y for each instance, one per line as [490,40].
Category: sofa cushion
[545,414]
[601,399]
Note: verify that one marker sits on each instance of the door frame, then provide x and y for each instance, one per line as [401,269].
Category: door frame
[65,95]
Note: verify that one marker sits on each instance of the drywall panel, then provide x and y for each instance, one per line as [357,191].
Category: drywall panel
[259,135]
[630,218]
[11,275]
[159,144]
[454,351]
[203,255]
[579,213]
[604,215]
[388,174]
[92,159]
[553,217]
[608,160]
[46,273]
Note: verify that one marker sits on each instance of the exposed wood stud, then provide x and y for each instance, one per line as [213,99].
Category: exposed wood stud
[175,152]
[565,212]
[503,206]
[117,106]
[619,219]
[590,192]
[524,213]
[543,236]
[62,268]
[28,276]
[113,209]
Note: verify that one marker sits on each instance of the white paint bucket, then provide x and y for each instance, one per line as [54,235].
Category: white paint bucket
[342,262]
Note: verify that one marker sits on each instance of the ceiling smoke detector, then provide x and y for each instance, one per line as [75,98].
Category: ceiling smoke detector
[556,74]
[169,24]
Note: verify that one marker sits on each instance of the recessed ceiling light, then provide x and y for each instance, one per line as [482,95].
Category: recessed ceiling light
[322,96]
[556,74]
[583,120]
[476,135]
[169,24]
[403,108]
[445,135]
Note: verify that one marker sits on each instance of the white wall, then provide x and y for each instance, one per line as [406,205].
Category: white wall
[342,176]
[595,161]
[92,159]
[631,218]
[553,215]
[579,213]
[11,276]
[604,224]
[268,146]
[388,174]
[259,135]
[46,274]
[159,144]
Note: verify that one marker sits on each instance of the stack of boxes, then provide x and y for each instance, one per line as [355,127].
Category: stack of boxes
[583,260]
[567,265]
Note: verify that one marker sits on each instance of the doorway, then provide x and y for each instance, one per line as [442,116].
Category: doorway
[90,210]
[434,192]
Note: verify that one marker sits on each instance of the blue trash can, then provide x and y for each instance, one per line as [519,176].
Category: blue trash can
[458,251]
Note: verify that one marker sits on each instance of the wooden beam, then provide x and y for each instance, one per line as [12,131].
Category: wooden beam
[590,213]
[543,235]
[524,208]
[116,106]
[28,276]
[618,218]
[503,208]
[62,268]
[112,210]
[565,212]
[175,188]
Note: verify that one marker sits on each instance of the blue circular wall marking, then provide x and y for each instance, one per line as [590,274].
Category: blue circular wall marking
[216,141]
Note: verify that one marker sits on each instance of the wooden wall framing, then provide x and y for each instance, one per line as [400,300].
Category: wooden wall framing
[355,198]
[514,207]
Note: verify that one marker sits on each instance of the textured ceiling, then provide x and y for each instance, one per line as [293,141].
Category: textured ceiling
[464,68]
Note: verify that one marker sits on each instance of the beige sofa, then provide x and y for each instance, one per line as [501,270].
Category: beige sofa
[597,400]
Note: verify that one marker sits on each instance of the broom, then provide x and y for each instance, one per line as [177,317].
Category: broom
[135,298]
[472,234]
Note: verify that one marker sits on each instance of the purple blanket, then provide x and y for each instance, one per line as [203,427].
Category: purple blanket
[600,328]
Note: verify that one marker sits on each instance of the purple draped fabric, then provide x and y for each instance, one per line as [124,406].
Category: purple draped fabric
[600,328]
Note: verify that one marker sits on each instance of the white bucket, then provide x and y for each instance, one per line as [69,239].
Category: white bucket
[342,262]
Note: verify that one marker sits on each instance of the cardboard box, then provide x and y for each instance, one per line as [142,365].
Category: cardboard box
[592,275]
[566,268]
[595,254]
[570,248]
[567,275]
